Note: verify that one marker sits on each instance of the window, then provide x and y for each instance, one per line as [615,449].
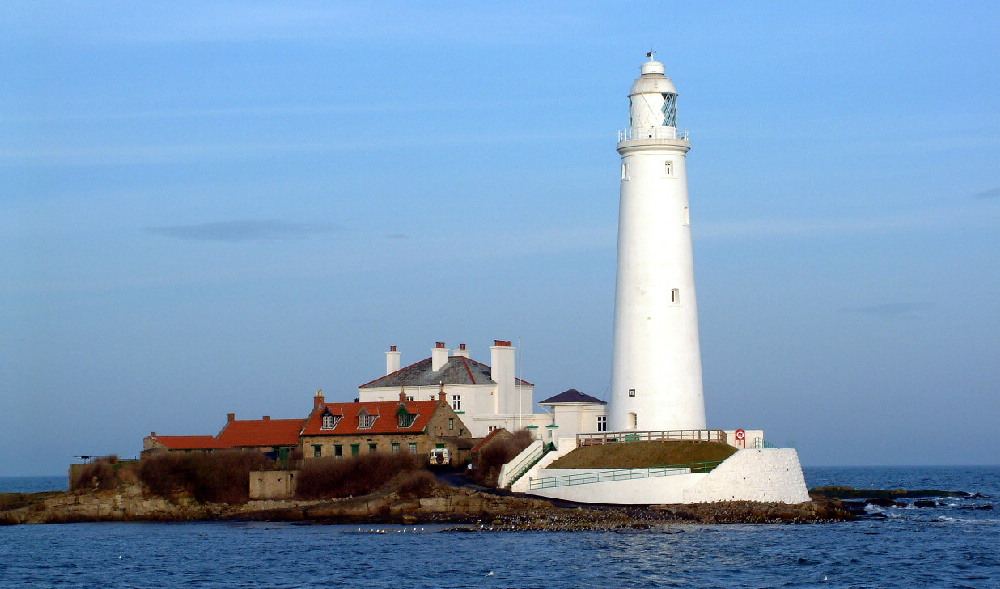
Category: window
[687,216]
[366,420]
[631,392]
[317,450]
[668,168]
[355,449]
[602,423]
[493,427]
[338,450]
[456,402]
[675,296]
[406,418]
[551,434]
[633,421]
[624,171]
[413,447]
[395,447]
[330,421]
[409,397]
[372,448]
[451,423]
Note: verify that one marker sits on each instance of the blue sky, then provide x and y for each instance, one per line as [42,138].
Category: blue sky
[222,208]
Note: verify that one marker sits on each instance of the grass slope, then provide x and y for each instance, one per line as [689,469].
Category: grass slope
[644,454]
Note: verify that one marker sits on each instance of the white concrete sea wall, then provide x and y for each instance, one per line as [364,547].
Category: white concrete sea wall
[762,475]
[758,474]
[639,491]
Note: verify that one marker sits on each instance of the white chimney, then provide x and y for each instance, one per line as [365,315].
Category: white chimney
[461,351]
[439,356]
[391,360]
[503,372]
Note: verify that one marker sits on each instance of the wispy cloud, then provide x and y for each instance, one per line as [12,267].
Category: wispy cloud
[887,310]
[236,231]
[992,193]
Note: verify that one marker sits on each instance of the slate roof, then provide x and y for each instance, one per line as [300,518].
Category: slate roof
[261,432]
[572,396]
[458,370]
[387,421]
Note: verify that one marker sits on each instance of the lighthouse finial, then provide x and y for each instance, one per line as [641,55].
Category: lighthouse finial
[651,55]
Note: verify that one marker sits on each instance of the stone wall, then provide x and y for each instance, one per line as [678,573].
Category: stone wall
[767,474]
[273,484]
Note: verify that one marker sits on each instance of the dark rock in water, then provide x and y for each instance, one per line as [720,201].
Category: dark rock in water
[986,507]
[855,508]
[884,502]
[841,492]
[924,503]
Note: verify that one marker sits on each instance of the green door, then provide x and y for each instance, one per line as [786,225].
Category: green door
[355,449]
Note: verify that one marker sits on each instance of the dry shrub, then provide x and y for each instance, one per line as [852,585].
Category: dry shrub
[358,475]
[209,477]
[415,483]
[498,453]
[97,475]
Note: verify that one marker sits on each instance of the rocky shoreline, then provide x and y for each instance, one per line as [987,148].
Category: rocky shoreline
[471,509]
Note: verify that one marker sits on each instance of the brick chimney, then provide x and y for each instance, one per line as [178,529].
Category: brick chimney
[230,417]
[391,360]
[402,394]
[442,396]
[439,356]
[318,400]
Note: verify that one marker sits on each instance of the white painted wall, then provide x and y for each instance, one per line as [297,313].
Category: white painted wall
[656,349]
[768,474]
[763,475]
[523,484]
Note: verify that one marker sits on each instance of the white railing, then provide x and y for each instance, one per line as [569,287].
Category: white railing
[699,435]
[653,133]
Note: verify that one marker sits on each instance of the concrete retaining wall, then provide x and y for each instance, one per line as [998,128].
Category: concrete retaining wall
[767,474]
[763,475]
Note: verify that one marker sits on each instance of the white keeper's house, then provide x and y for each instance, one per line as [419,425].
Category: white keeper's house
[486,396]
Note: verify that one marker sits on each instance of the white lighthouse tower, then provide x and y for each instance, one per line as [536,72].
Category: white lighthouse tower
[656,369]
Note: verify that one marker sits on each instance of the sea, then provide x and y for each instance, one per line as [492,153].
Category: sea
[956,543]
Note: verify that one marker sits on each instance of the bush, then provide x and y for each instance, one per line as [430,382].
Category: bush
[415,483]
[98,475]
[498,453]
[209,477]
[322,478]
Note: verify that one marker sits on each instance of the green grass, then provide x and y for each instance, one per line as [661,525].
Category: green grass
[644,454]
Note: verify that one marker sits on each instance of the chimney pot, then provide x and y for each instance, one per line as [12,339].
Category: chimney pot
[461,346]
[152,434]
[230,417]
[392,349]
[500,342]
[267,417]
[438,344]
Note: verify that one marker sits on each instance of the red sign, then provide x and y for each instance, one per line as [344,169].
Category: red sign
[741,434]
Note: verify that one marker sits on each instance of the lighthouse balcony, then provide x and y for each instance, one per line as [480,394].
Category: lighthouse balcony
[652,133]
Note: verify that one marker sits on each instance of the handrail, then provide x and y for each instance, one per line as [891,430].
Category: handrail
[622,474]
[600,438]
[659,132]
[525,464]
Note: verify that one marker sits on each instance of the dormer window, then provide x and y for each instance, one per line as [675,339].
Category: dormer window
[330,421]
[406,418]
[366,420]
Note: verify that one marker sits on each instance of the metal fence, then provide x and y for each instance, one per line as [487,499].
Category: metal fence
[701,435]
[621,474]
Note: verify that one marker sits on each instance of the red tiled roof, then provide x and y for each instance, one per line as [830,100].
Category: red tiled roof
[261,432]
[190,442]
[387,421]
[489,438]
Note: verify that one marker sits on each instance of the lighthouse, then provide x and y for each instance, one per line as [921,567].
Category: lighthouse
[656,379]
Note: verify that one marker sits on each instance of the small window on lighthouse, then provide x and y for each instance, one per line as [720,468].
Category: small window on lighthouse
[631,392]
[624,171]
[633,421]
[675,296]
[687,216]
[668,168]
